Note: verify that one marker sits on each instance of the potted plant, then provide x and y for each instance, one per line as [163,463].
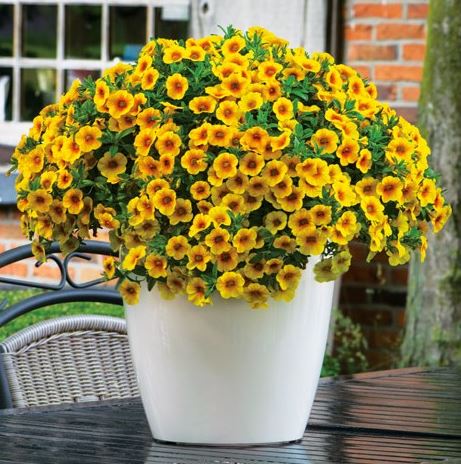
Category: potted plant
[231,173]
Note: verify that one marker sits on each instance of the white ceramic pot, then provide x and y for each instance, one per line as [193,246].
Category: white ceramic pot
[227,374]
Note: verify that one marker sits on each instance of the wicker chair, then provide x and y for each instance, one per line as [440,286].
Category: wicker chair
[67,359]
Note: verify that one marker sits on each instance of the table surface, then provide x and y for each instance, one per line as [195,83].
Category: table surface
[400,416]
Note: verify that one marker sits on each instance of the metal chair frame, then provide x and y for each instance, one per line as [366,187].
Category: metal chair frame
[56,294]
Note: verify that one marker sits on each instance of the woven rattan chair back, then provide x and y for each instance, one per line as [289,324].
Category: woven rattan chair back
[69,359]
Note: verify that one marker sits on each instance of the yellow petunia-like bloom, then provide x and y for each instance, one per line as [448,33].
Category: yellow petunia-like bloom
[230,285]
[256,295]
[325,139]
[274,172]
[156,266]
[196,290]
[73,201]
[288,277]
[311,241]
[200,223]
[182,212]
[229,112]
[130,292]
[225,165]
[88,138]
[119,103]
[149,79]
[194,161]
[198,257]
[111,166]
[177,247]
[372,208]
[283,109]
[133,257]
[275,221]
[168,143]
[165,201]
[200,105]
[39,201]
[244,240]
[200,190]
[176,86]
[390,189]
[218,241]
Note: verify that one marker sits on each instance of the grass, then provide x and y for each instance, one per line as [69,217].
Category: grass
[50,312]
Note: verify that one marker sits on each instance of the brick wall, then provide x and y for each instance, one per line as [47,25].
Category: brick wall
[385,41]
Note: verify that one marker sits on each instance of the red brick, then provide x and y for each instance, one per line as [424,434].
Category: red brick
[394,72]
[14,270]
[409,113]
[365,52]
[366,274]
[370,316]
[400,317]
[400,31]
[88,273]
[47,270]
[383,338]
[410,93]
[364,71]
[418,10]
[414,52]
[2,248]
[373,10]
[399,275]
[358,32]
[387,92]
[10,230]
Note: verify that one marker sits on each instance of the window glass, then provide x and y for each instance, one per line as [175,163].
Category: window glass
[6,30]
[83,32]
[127,32]
[171,22]
[38,88]
[39,31]
[6,91]
[71,74]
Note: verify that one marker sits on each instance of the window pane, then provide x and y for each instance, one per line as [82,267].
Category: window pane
[83,32]
[71,74]
[127,32]
[6,30]
[6,91]
[39,31]
[171,24]
[38,87]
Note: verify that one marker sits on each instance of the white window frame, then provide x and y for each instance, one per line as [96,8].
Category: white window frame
[61,64]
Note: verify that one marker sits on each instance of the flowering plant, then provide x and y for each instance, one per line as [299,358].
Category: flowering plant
[224,163]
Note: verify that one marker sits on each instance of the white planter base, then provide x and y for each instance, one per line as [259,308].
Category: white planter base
[227,374]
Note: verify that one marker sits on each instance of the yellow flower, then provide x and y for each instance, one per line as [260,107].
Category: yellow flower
[200,190]
[440,217]
[219,216]
[173,54]
[256,139]
[323,271]
[195,53]
[390,189]
[194,161]
[200,223]
[348,151]
[155,185]
[293,201]
[218,240]
[73,201]
[399,149]
[288,277]
[228,112]
[244,240]
[225,165]
[257,186]
[88,138]
[108,265]
[148,118]
[283,109]
[156,266]
[235,203]
[148,166]
[47,179]
[427,192]
[200,105]
[256,295]
[233,45]
[344,194]
[347,223]
[130,292]
[144,140]
[251,164]
[219,135]
[108,221]
[101,93]
[165,201]
[119,103]
[275,221]
[286,243]
[250,101]
[274,172]
[57,212]
[198,257]
[111,166]
[196,290]
[227,260]
[311,241]
[182,212]
[325,139]
[320,214]
[235,85]
[238,183]
[149,79]
[176,86]
[364,161]
[177,247]
[133,257]
[166,164]
[254,269]
[230,285]
[168,143]
[372,208]
[341,262]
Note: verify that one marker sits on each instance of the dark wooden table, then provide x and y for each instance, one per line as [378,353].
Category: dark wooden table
[401,416]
